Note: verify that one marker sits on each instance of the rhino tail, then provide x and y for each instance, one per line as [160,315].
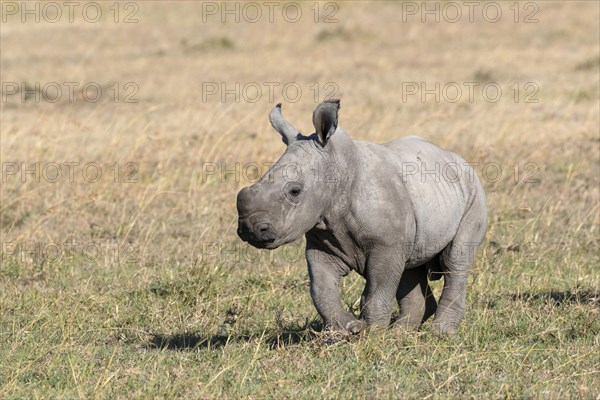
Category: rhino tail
[435,269]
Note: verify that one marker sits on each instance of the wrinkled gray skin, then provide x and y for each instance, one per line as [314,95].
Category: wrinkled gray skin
[363,207]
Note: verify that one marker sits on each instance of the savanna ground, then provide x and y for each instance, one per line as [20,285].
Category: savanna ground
[135,285]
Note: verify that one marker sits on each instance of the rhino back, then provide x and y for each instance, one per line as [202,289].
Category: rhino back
[438,183]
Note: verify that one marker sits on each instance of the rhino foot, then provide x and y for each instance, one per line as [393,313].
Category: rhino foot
[355,326]
[444,328]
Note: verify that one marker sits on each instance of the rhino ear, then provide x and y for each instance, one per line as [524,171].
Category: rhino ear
[288,133]
[325,119]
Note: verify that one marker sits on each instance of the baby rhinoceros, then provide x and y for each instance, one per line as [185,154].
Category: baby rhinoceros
[396,213]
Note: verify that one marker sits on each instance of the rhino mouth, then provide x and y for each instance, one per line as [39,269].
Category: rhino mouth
[263,244]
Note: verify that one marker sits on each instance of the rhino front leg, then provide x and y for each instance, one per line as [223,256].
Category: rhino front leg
[383,277]
[325,276]
[415,298]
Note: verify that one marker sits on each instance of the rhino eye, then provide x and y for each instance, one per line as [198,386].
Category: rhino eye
[293,190]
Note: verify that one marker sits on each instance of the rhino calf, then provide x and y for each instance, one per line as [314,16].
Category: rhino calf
[394,212]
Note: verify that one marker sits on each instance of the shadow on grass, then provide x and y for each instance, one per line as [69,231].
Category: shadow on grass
[186,342]
[293,334]
[286,334]
[560,298]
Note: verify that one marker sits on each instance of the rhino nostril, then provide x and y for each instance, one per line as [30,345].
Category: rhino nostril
[264,231]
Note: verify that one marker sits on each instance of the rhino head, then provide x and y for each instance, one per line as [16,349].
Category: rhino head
[293,196]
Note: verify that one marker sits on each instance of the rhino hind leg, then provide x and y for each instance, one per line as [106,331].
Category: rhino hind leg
[415,298]
[456,262]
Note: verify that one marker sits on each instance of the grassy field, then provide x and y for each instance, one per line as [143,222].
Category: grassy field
[133,284]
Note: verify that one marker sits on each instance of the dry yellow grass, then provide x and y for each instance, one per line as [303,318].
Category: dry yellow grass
[163,263]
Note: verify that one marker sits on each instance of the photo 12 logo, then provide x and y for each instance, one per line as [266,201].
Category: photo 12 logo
[524,252]
[469,11]
[69,171]
[252,92]
[236,252]
[53,12]
[69,92]
[269,11]
[252,172]
[49,253]
[452,172]
[469,92]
